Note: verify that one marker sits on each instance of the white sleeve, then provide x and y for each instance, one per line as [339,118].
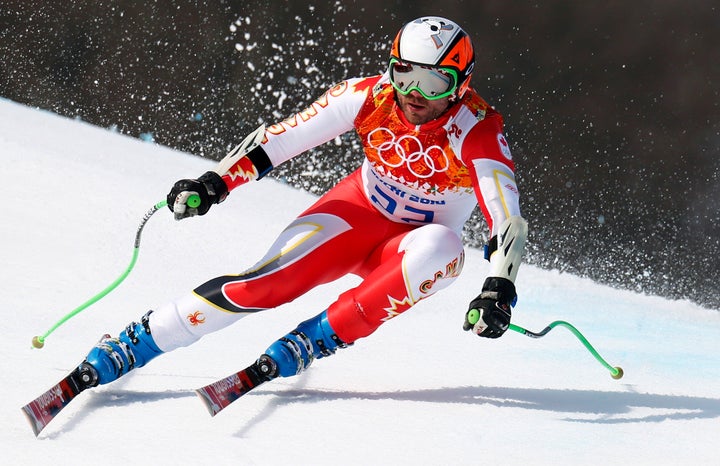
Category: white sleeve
[506,259]
[499,191]
[328,117]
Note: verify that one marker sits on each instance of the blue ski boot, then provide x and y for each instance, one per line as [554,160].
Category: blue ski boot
[293,353]
[112,358]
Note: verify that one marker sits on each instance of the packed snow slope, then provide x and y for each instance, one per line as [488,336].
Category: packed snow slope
[419,391]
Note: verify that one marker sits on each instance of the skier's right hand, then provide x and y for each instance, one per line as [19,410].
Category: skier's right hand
[209,189]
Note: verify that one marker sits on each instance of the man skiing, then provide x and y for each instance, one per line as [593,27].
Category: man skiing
[434,149]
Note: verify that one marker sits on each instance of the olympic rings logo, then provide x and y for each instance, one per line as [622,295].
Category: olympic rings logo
[408,150]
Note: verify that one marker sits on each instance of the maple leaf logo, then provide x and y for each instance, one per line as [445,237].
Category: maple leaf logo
[397,307]
[365,84]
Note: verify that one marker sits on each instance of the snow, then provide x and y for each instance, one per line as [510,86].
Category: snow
[419,391]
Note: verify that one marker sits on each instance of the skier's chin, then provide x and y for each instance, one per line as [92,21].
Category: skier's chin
[421,111]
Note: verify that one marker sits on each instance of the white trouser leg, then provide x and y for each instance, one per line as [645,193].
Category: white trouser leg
[182,322]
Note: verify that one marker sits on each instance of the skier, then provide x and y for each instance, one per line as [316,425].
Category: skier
[434,149]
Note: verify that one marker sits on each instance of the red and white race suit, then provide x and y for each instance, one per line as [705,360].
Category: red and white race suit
[395,222]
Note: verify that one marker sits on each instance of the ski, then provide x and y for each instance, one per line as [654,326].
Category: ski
[44,408]
[218,395]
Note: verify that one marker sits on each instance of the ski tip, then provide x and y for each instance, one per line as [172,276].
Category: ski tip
[212,407]
[35,424]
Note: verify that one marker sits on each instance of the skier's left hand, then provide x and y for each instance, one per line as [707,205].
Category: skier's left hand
[489,314]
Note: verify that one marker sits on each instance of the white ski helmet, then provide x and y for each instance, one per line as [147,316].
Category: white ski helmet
[433,42]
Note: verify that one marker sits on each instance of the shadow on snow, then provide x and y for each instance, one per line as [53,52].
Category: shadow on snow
[583,406]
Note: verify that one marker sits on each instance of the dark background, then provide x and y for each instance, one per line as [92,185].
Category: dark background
[611,107]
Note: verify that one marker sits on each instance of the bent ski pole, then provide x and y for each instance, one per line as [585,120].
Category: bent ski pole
[615,372]
[39,340]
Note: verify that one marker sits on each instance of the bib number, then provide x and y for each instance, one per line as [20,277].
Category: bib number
[390,204]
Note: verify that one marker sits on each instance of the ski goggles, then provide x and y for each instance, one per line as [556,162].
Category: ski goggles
[432,83]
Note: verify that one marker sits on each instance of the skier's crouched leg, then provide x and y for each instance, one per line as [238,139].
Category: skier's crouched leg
[112,358]
[293,353]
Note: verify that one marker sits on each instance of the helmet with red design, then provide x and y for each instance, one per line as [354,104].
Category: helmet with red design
[432,55]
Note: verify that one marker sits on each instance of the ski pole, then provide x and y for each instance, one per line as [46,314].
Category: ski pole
[39,340]
[615,372]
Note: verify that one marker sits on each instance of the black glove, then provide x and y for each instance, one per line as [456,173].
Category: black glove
[489,314]
[209,189]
